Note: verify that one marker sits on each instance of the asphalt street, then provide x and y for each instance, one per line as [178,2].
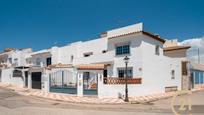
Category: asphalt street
[12,103]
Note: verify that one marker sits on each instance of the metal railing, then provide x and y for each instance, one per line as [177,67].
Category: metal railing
[115,80]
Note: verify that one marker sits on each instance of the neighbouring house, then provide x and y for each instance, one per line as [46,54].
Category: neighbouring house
[96,67]
[197,74]
[37,62]
[13,67]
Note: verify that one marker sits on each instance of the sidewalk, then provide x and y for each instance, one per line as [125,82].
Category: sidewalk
[87,100]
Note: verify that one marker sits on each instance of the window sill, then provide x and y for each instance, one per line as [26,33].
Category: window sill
[122,55]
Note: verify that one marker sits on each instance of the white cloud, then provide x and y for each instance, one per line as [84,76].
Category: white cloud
[195,43]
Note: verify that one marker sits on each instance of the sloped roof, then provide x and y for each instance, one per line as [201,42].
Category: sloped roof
[176,48]
[197,66]
[156,37]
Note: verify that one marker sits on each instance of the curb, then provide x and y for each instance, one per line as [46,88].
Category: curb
[89,100]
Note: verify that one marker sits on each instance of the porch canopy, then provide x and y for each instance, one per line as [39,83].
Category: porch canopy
[59,66]
[90,67]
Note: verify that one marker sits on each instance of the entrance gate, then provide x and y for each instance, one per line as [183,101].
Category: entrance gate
[63,81]
[90,83]
[36,80]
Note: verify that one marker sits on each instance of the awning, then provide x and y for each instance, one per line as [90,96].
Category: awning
[90,67]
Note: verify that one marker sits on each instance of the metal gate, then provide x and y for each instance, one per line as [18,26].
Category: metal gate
[63,81]
[36,80]
[90,83]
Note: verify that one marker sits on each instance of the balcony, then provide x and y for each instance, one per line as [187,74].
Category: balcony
[102,58]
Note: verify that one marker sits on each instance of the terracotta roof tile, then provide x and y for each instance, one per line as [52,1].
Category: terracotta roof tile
[90,67]
[143,32]
[197,66]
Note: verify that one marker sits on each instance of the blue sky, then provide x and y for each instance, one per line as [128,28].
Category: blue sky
[43,23]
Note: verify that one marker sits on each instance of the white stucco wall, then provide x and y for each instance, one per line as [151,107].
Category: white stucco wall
[135,54]
[7,77]
[156,69]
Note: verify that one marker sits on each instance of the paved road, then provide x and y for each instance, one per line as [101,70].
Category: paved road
[14,104]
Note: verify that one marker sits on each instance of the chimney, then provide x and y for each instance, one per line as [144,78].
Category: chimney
[8,49]
[103,34]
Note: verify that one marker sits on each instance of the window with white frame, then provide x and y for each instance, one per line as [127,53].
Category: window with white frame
[121,72]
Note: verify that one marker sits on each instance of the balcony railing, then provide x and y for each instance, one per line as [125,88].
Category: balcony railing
[115,80]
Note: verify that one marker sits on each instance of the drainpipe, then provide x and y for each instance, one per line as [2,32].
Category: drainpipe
[198,56]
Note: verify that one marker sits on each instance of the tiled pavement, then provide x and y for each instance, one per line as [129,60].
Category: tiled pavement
[90,100]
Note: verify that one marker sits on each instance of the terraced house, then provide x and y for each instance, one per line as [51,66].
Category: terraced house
[97,67]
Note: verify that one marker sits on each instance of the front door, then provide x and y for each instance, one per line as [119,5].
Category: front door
[90,83]
[36,80]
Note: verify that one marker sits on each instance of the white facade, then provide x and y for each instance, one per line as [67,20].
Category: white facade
[11,61]
[154,69]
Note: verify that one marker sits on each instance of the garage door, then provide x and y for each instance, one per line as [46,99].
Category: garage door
[36,80]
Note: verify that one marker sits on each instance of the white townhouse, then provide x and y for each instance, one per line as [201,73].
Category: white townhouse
[97,67]
[13,67]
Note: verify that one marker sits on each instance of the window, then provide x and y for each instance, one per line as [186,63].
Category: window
[10,60]
[184,68]
[157,50]
[121,72]
[72,58]
[105,73]
[172,74]
[17,73]
[38,61]
[124,49]
[104,51]
[15,62]
[49,61]
[88,54]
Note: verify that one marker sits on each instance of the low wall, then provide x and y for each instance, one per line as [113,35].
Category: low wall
[118,90]
[198,86]
[7,77]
